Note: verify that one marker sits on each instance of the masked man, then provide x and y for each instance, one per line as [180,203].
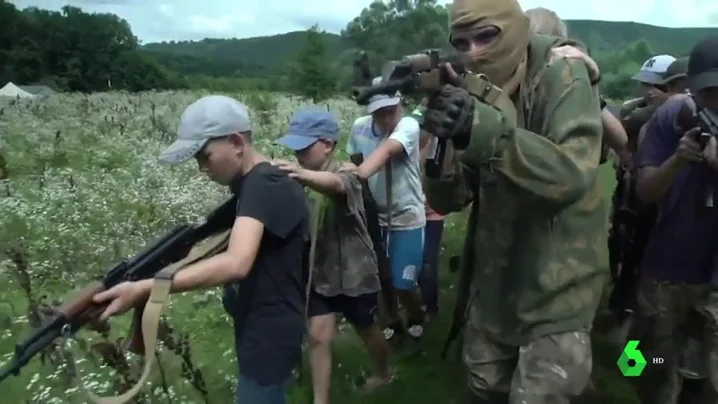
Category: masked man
[527,157]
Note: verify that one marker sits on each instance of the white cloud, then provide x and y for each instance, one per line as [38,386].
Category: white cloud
[185,19]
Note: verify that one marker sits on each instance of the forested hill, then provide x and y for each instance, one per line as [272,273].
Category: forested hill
[610,35]
[270,53]
[71,50]
[247,57]
[260,60]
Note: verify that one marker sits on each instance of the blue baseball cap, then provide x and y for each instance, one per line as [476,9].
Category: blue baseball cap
[309,125]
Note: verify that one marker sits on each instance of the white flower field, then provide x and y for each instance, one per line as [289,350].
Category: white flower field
[80,189]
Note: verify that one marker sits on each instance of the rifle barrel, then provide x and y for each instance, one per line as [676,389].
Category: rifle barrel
[25,351]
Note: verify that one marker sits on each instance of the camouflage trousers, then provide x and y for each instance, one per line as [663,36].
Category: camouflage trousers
[678,324]
[550,370]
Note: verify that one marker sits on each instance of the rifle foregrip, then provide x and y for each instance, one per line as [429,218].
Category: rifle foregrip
[135,342]
[81,301]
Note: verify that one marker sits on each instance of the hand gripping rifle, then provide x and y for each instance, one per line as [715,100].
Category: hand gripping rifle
[161,257]
[690,116]
[422,74]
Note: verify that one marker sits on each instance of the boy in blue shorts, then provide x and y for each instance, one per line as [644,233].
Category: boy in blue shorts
[389,144]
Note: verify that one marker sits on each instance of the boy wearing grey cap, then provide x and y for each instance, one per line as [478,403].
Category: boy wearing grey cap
[265,252]
[345,273]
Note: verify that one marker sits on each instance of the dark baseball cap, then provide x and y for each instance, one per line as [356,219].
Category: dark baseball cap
[676,70]
[307,126]
[703,64]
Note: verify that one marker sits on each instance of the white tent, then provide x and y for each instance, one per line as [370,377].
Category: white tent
[11,90]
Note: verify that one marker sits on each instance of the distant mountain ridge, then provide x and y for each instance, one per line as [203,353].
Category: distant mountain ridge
[258,56]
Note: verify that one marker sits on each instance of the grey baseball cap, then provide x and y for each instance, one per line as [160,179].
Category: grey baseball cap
[209,117]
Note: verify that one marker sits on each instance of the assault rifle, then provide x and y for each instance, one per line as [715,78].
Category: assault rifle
[690,116]
[423,75]
[372,217]
[465,264]
[80,311]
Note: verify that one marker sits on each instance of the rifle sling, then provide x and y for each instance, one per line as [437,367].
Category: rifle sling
[464,297]
[156,304]
[390,205]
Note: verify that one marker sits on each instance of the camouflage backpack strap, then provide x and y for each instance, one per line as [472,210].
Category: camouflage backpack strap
[480,87]
[155,307]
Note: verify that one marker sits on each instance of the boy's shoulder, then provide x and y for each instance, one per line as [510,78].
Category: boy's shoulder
[362,122]
[409,123]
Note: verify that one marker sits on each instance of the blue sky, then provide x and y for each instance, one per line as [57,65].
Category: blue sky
[156,20]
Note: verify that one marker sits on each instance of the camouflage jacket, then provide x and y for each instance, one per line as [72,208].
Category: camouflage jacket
[345,262]
[540,239]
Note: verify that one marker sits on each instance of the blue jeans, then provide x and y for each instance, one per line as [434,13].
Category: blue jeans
[429,277]
[250,392]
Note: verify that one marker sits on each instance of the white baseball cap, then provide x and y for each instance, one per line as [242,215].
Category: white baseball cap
[209,117]
[380,101]
[654,69]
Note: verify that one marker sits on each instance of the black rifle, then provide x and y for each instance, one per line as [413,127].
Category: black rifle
[691,115]
[372,217]
[422,75]
[80,310]
[463,283]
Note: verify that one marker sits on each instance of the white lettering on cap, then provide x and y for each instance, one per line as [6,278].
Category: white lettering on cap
[658,64]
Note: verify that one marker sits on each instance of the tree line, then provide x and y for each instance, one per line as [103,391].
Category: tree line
[75,51]
[71,50]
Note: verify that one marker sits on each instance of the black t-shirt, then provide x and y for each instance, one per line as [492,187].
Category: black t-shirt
[268,306]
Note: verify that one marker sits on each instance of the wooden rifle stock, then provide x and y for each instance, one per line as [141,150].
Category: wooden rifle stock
[171,251]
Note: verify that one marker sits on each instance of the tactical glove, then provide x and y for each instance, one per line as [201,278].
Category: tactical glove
[449,115]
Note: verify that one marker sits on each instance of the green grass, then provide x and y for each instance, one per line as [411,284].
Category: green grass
[84,190]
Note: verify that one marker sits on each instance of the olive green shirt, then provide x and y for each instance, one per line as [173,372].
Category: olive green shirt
[345,262]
